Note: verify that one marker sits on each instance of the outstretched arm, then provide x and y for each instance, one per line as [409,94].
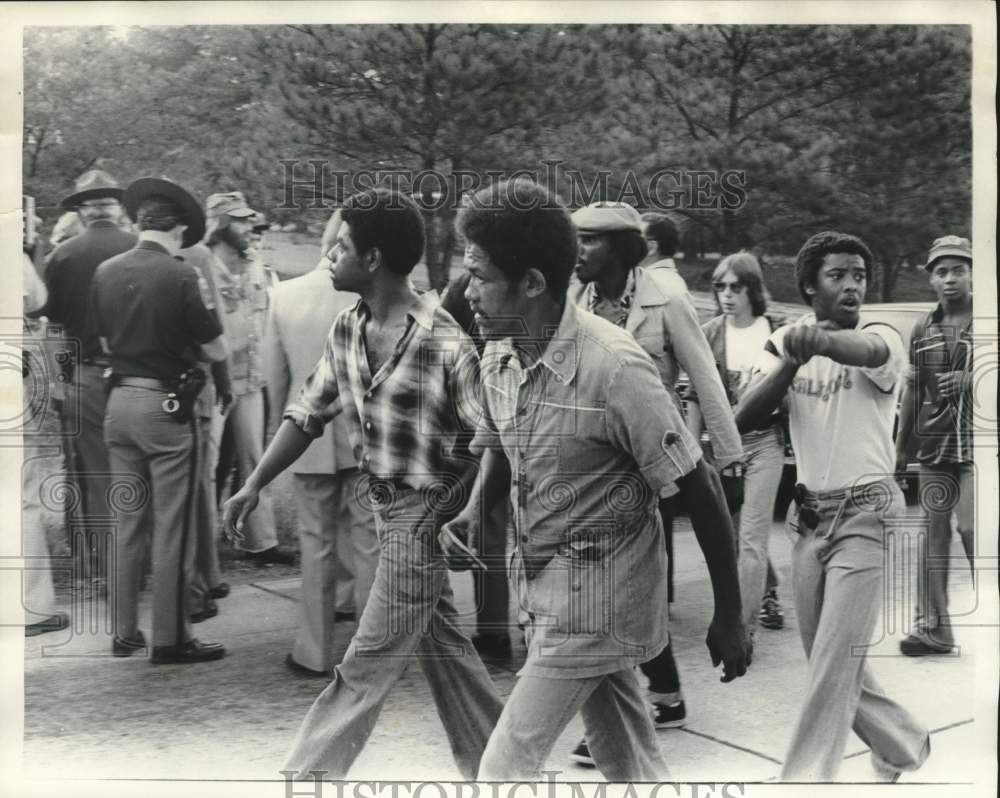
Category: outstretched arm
[850,347]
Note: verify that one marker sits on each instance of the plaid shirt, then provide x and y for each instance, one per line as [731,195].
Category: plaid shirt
[406,420]
[944,425]
[614,310]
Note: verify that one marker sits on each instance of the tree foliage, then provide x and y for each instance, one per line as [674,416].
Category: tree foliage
[431,98]
[862,128]
[146,101]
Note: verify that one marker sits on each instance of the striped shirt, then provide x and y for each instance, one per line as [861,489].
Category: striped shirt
[410,421]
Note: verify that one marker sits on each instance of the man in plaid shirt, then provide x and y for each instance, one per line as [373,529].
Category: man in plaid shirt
[405,375]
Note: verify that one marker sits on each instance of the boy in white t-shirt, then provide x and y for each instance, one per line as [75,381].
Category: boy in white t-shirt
[841,384]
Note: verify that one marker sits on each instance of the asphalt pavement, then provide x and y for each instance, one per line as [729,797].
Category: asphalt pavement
[89,716]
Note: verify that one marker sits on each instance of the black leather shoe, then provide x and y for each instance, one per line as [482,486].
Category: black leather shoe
[301,670]
[189,652]
[127,646]
[272,556]
[54,623]
[210,610]
[221,590]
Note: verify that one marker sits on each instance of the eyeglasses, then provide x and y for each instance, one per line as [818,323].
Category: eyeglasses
[736,288]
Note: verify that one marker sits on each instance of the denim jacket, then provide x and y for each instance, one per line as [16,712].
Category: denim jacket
[592,439]
[664,322]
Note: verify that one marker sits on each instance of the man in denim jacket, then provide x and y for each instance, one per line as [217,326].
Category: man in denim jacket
[576,412]
[653,305]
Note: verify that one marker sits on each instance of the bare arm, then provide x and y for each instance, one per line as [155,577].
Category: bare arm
[277,372]
[215,350]
[287,446]
[764,396]
[850,347]
[907,421]
[491,486]
[713,527]
[223,386]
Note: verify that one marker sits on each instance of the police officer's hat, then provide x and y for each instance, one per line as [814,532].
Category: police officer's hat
[92,184]
[192,214]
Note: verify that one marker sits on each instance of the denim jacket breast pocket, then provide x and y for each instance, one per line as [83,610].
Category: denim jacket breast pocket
[584,589]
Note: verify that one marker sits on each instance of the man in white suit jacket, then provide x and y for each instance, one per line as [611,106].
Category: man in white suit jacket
[336,530]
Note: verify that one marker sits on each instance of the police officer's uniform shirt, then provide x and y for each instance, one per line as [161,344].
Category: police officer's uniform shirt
[149,308]
[71,267]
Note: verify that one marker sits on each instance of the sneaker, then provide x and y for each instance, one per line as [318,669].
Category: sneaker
[581,755]
[771,616]
[669,716]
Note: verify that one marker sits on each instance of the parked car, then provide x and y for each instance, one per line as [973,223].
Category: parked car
[900,315]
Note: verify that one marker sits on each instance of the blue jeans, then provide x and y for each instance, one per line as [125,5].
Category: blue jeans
[618,727]
[409,611]
[837,574]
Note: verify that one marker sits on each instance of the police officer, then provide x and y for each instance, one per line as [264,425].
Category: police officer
[156,327]
[96,203]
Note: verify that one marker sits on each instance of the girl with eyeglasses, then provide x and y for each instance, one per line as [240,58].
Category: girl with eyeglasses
[736,336]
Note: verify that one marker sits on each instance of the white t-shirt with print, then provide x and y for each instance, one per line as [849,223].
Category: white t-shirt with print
[743,345]
[841,417]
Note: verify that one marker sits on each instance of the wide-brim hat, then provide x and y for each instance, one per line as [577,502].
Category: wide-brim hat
[192,214]
[92,184]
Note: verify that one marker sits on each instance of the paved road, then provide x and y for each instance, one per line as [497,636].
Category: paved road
[89,716]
